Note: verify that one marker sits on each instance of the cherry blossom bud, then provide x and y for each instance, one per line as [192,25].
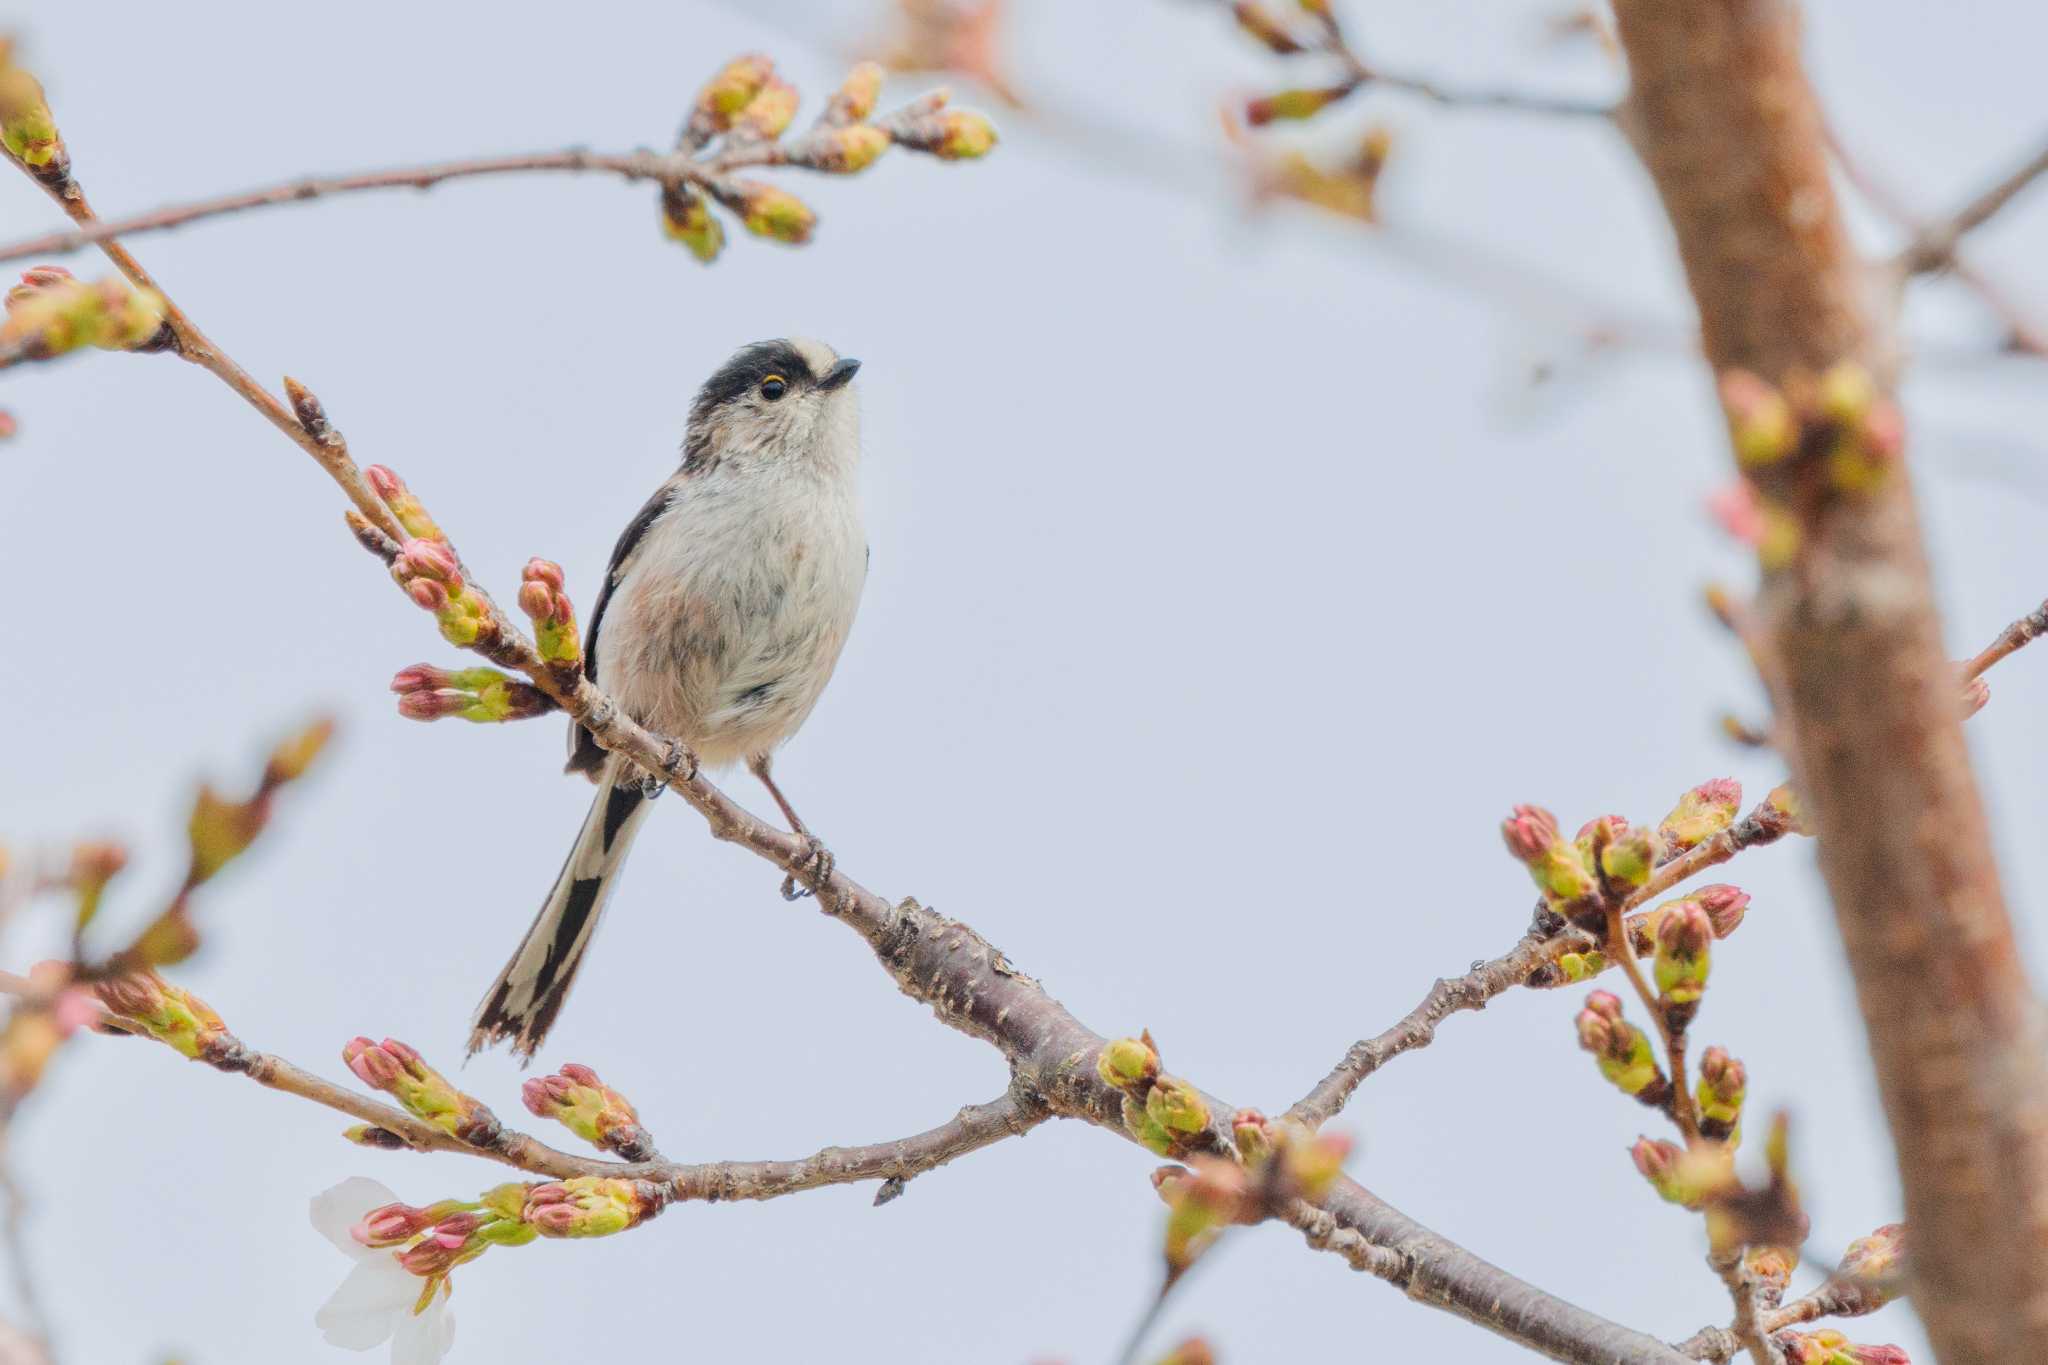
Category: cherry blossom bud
[1724,904]
[1723,1083]
[1294,104]
[1148,1131]
[543,598]
[63,314]
[1129,1064]
[297,752]
[1847,393]
[1771,1269]
[1785,805]
[1976,696]
[1759,419]
[1871,1274]
[1176,1106]
[1628,861]
[1702,813]
[1623,1052]
[220,830]
[1529,832]
[1214,1195]
[420,1090]
[1315,1161]
[1193,1351]
[93,865]
[1658,1160]
[428,571]
[1559,869]
[1252,1134]
[1684,938]
[769,113]
[954,135]
[592,1110]
[731,91]
[482,695]
[767,211]
[1264,27]
[845,151]
[143,1002]
[406,508]
[1829,1347]
[687,218]
[27,129]
[590,1206]
[390,1225]
[1577,967]
[855,98]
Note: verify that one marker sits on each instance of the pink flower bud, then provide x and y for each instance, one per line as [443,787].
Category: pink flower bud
[429,1258]
[1976,695]
[419,677]
[1529,831]
[1736,507]
[429,559]
[1656,1159]
[383,482]
[389,1224]
[535,600]
[1685,931]
[453,1232]
[373,1066]
[542,1094]
[435,705]
[427,593]
[1724,904]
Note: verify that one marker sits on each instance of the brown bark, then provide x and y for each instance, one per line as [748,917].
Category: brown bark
[1726,122]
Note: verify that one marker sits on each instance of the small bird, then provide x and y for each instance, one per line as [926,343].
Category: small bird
[720,620]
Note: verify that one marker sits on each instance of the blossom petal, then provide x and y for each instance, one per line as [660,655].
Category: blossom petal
[366,1309]
[423,1338]
[335,1211]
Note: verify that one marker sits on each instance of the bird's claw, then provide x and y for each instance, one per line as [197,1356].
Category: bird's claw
[678,764]
[817,867]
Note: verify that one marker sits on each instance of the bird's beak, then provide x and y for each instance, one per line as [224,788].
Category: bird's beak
[839,374]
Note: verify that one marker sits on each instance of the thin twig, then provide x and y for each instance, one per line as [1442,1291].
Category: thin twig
[2023,334]
[1934,246]
[640,165]
[1521,965]
[976,1126]
[1325,37]
[2013,638]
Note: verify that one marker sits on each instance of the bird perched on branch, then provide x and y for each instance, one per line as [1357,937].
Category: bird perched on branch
[721,618]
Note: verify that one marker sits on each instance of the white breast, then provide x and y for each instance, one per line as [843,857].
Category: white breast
[731,613]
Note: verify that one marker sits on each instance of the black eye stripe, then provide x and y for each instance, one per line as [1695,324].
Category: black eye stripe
[741,376]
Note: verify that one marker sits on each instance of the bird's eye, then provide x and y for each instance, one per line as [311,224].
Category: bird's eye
[773,387]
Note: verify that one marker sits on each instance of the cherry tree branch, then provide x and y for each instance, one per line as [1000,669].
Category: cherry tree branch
[630,166]
[1528,963]
[1725,121]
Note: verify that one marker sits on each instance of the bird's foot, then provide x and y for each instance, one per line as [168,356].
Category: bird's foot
[678,764]
[816,868]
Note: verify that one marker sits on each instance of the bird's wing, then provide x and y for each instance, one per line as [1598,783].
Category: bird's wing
[584,754]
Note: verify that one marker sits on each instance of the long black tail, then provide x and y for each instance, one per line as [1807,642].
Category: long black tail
[522,1004]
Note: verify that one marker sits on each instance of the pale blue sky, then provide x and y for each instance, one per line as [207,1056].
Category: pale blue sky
[1223,589]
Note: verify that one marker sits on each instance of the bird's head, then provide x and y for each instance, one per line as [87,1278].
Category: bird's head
[787,398]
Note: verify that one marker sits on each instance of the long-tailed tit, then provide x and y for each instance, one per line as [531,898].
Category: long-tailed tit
[720,620]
